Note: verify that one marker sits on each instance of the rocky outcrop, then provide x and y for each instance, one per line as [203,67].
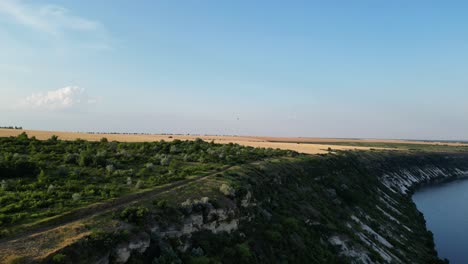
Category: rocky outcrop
[406,179]
[137,243]
[390,231]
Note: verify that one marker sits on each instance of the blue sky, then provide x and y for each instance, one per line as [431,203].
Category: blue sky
[379,69]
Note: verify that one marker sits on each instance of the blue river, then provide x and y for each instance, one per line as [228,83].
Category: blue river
[445,208]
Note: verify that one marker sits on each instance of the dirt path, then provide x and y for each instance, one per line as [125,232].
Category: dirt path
[98,209]
[35,241]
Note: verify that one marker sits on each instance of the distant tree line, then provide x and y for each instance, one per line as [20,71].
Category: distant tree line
[163,134]
[11,127]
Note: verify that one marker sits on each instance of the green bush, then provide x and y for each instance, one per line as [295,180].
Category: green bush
[58,258]
[199,260]
[134,214]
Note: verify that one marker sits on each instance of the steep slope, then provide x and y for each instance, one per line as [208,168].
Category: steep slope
[349,207]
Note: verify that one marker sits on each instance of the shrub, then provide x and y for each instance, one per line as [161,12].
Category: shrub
[53,138]
[23,136]
[227,190]
[244,251]
[160,204]
[71,158]
[4,185]
[58,258]
[110,168]
[150,166]
[139,184]
[134,214]
[76,197]
[168,256]
[86,158]
[273,236]
[165,161]
[175,165]
[51,188]
[174,149]
[42,177]
[200,260]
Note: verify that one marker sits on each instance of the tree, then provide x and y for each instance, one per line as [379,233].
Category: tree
[86,159]
[76,196]
[42,177]
[53,138]
[71,158]
[23,136]
[139,184]
[165,161]
[4,185]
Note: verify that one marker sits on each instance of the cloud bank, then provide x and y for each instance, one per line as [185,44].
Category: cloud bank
[64,98]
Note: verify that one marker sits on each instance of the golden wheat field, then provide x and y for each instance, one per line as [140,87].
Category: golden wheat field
[302,145]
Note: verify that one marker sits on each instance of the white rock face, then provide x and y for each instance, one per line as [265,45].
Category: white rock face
[403,180]
[246,201]
[122,253]
[139,243]
[215,220]
[378,238]
[192,224]
[360,255]
[225,226]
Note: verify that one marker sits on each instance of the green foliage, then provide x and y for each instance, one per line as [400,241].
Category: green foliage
[85,159]
[161,204]
[53,138]
[23,136]
[244,251]
[134,214]
[58,258]
[199,260]
[168,256]
[41,179]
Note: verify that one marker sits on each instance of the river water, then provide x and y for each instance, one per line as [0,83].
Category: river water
[445,208]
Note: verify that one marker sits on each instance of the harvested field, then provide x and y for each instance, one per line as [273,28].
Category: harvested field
[302,145]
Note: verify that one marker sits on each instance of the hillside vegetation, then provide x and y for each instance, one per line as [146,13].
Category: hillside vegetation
[42,179]
[244,205]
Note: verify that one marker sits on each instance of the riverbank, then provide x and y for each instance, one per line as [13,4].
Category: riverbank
[446,214]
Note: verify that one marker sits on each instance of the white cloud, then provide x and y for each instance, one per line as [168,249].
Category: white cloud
[50,19]
[63,98]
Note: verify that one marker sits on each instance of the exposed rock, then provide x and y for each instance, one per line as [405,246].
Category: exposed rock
[214,220]
[331,193]
[265,214]
[227,190]
[103,260]
[358,254]
[246,201]
[403,180]
[225,226]
[138,243]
